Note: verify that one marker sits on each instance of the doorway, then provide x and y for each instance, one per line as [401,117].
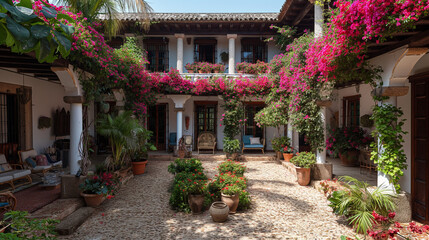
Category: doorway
[420,147]
[157,123]
[205,50]
[205,118]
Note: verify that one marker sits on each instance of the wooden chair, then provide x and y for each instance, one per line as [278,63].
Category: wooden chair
[206,141]
[23,155]
[7,202]
[9,173]
[247,144]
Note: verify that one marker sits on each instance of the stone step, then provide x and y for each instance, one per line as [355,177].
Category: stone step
[59,209]
[217,157]
[69,224]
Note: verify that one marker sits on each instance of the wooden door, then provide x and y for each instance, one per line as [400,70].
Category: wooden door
[205,118]
[420,147]
[157,123]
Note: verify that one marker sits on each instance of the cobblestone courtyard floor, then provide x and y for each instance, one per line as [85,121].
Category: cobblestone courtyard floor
[281,210]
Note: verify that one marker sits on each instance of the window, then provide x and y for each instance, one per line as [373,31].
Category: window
[205,50]
[250,111]
[9,118]
[253,49]
[205,117]
[157,54]
[351,111]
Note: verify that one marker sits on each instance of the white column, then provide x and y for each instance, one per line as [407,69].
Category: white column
[75,133]
[180,37]
[179,125]
[179,104]
[383,179]
[231,55]
[318,20]
[321,155]
[290,134]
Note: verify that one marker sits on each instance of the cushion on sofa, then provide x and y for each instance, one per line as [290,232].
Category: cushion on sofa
[59,163]
[41,160]
[246,139]
[30,161]
[19,173]
[30,153]
[41,168]
[3,159]
[254,146]
[255,141]
[5,178]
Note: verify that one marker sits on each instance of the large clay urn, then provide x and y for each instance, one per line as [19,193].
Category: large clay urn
[231,201]
[219,211]
[303,175]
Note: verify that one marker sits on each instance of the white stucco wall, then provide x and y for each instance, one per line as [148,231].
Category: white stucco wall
[222,46]
[46,98]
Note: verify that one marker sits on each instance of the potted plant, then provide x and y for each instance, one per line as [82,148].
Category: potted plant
[195,190]
[190,67]
[139,152]
[231,147]
[287,152]
[346,143]
[230,195]
[96,188]
[122,131]
[205,67]
[217,68]
[278,144]
[303,162]
[224,56]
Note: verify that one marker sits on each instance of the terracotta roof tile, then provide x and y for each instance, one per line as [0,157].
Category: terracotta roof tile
[184,17]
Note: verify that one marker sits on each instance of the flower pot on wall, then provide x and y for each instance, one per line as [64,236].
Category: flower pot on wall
[350,158]
[303,175]
[139,167]
[287,156]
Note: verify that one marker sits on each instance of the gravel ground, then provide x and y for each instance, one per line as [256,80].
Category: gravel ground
[281,209]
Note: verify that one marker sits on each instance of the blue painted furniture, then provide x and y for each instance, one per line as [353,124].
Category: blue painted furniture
[7,202]
[172,140]
[247,145]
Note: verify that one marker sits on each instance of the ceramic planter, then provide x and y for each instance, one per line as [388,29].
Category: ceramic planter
[303,175]
[93,200]
[139,167]
[219,211]
[287,156]
[231,201]
[196,203]
[350,158]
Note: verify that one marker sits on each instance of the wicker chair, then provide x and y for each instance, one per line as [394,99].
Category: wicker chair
[7,202]
[206,141]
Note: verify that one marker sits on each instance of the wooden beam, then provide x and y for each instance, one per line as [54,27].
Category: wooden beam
[198,26]
[302,14]
[285,10]
[220,26]
[387,43]
[423,22]
[399,34]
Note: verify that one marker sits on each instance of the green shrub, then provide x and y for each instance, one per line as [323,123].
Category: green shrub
[304,160]
[358,202]
[236,168]
[22,227]
[179,200]
[231,145]
[279,143]
[244,202]
[185,165]
[183,176]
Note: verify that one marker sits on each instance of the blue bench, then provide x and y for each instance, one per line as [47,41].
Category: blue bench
[172,140]
[247,145]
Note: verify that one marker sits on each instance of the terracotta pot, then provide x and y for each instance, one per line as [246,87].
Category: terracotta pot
[350,158]
[93,200]
[181,154]
[190,71]
[196,203]
[139,167]
[303,175]
[200,71]
[219,211]
[279,155]
[287,156]
[216,71]
[232,156]
[231,201]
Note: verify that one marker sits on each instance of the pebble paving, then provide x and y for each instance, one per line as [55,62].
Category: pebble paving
[281,209]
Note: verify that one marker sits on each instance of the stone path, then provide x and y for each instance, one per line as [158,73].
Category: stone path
[281,210]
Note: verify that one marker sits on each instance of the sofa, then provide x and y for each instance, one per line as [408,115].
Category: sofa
[206,141]
[9,173]
[257,144]
[23,155]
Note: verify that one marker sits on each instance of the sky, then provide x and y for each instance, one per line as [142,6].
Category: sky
[215,6]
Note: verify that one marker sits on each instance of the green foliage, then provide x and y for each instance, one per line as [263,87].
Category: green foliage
[104,183]
[231,145]
[226,180]
[23,227]
[185,165]
[344,139]
[285,36]
[358,202]
[185,176]
[233,118]
[279,143]
[304,159]
[122,131]
[231,189]
[245,201]
[388,151]
[131,51]
[233,167]
[138,149]
[24,31]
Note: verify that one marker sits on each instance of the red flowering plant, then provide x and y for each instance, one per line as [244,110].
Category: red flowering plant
[231,189]
[193,186]
[218,68]
[381,229]
[103,183]
[205,67]
[287,149]
[233,167]
[341,140]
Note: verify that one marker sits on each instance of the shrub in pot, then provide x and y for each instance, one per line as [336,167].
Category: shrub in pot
[230,195]
[345,142]
[233,167]
[231,147]
[303,162]
[95,188]
[287,152]
[139,151]
[195,190]
[279,143]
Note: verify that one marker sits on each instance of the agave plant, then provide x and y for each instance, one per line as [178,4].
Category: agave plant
[122,131]
[358,201]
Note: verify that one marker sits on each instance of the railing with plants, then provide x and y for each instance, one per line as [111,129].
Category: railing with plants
[205,67]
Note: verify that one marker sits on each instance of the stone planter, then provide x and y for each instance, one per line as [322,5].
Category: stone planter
[196,203]
[139,167]
[287,156]
[219,211]
[93,200]
[350,158]
[303,175]
[231,201]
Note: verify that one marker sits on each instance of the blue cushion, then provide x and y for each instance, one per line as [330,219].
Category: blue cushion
[173,139]
[3,204]
[254,146]
[246,139]
[31,162]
